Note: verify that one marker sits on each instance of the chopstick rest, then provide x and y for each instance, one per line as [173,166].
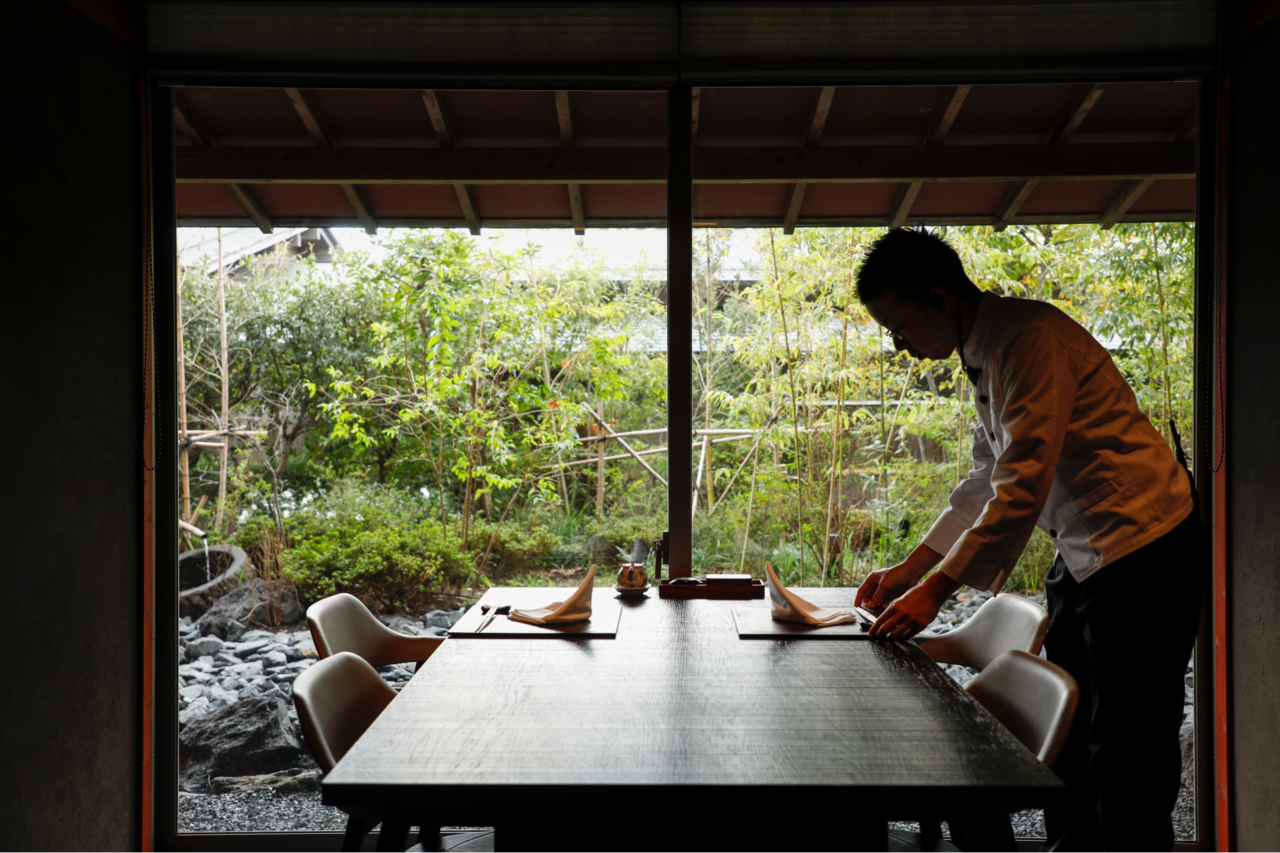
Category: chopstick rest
[789,607]
[576,608]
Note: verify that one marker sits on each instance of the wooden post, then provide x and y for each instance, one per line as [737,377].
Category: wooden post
[679,322]
[226,396]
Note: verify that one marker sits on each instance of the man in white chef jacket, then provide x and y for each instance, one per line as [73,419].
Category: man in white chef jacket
[1060,444]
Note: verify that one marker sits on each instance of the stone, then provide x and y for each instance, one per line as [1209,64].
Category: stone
[205,646]
[402,624]
[194,710]
[253,669]
[274,659]
[224,659]
[253,736]
[443,618]
[293,781]
[235,630]
[251,603]
[192,693]
[251,647]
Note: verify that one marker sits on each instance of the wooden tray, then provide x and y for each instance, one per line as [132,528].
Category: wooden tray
[603,625]
[757,623]
[755,589]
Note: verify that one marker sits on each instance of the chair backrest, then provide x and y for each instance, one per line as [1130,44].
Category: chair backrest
[341,623]
[1034,699]
[1004,622]
[337,699]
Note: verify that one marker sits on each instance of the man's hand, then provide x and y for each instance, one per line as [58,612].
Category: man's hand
[912,613]
[884,585]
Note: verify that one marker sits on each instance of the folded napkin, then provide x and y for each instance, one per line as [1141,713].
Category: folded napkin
[577,608]
[789,607]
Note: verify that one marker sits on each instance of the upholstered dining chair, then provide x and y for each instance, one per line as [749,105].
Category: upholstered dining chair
[1036,701]
[341,623]
[1003,622]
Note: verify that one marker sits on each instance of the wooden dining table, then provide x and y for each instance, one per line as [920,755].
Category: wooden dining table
[677,730]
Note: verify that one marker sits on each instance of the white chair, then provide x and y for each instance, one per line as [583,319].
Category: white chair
[341,623]
[1004,622]
[1036,701]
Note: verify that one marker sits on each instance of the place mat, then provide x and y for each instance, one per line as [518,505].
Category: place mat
[603,625]
[757,623]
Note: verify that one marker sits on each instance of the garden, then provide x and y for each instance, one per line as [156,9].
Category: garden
[418,421]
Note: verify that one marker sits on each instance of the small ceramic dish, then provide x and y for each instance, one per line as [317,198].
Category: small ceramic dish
[640,590]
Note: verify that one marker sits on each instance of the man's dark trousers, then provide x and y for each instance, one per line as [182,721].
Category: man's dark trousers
[1126,634]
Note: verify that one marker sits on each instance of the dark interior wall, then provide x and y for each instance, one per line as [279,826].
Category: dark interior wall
[70,439]
[1254,435]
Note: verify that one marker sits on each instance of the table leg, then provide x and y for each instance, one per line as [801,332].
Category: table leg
[394,834]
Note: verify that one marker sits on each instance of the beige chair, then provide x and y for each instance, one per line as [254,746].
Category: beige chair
[337,699]
[1033,698]
[341,623]
[1004,622]
[1036,701]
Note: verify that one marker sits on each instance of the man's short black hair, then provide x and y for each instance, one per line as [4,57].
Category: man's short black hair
[909,262]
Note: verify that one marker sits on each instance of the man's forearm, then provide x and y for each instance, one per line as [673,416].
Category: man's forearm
[920,561]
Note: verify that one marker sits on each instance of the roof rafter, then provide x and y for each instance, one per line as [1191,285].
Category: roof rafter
[937,133]
[565,117]
[795,198]
[440,123]
[1133,190]
[244,196]
[324,139]
[856,164]
[1086,97]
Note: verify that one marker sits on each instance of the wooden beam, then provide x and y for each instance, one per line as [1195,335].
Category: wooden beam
[1083,102]
[576,211]
[1133,190]
[200,138]
[902,204]
[322,137]
[820,112]
[361,206]
[189,129]
[937,133]
[795,198]
[860,164]
[302,105]
[440,123]
[565,117]
[252,206]
[947,116]
[468,208]
[438,120]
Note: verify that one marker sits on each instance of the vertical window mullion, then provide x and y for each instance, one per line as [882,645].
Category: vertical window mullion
[679,328]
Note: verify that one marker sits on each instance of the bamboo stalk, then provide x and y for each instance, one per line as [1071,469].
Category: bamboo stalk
[182,403]
[837,461]
[600,465]
[697,482]
[226,392]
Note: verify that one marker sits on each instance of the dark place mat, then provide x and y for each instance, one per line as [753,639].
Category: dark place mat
[603,624]
[757,623]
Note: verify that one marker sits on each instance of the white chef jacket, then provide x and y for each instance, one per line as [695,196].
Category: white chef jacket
[1061,445]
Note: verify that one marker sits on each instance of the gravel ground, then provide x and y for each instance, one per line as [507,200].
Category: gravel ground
[260,811]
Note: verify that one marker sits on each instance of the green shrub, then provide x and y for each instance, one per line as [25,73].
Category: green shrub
[515,549]
[379,544]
